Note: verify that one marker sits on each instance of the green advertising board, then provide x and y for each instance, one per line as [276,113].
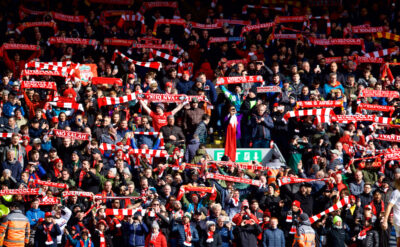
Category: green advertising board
[262,155]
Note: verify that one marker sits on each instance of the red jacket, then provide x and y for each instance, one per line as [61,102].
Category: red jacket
[161,241]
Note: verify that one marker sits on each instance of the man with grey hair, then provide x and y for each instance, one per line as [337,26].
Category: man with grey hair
[13,165]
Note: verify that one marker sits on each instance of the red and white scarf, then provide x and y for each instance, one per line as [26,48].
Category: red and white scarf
[250,28]
[66,72]
[188,234]
[269,89]
[26,25]
[77,193]
[50,184]
[117,42]
[150,152]
[382,53]
[287,19]
[106,80]
[378,93]
[47,230]
[179,22]
[366,29]
[51,85]
[71,134]
[34,192]
[384,120]
[289,219]
[102,238]
[185,188]
[166,56]
[218,176]
[67,105]
[6,135]
[371,107]
[293,180]
[210,237]
[104,101]
[152,65]
[49,201]
[239,79]
[23,12]
[353,118]
[68,18]
[363,233]
[389,138]
[290,36]
[72,41]
[7,46]
[330,42]
[325,114]
[128,17]
[335,207]
[315,103]
[50,65]
[169,98]
[121,212]
[157,46]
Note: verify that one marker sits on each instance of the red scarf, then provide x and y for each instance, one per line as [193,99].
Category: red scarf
[47,230]
[188,234]
[210,237]
[104,195]
[374,211]
[56,172]
[363,233]
[153,238]
[81,175]
[102,239]
[83,243]
[289,219]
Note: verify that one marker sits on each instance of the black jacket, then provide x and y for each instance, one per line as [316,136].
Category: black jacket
[246,236]
[96,238]
[337,237]
[216,243]
[371,240]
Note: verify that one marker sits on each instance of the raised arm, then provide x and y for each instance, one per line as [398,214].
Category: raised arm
[178,108]
[145,107]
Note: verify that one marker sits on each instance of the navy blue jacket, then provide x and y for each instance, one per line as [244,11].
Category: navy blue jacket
[135,235]
[180,229]
[184,86]
[273,237]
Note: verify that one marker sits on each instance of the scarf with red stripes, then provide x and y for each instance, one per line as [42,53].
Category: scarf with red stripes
[47,230]
[188,234]
[210,237]
[102,239]
[151,65]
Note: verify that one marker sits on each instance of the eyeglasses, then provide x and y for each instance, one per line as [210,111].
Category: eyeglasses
[157,204]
